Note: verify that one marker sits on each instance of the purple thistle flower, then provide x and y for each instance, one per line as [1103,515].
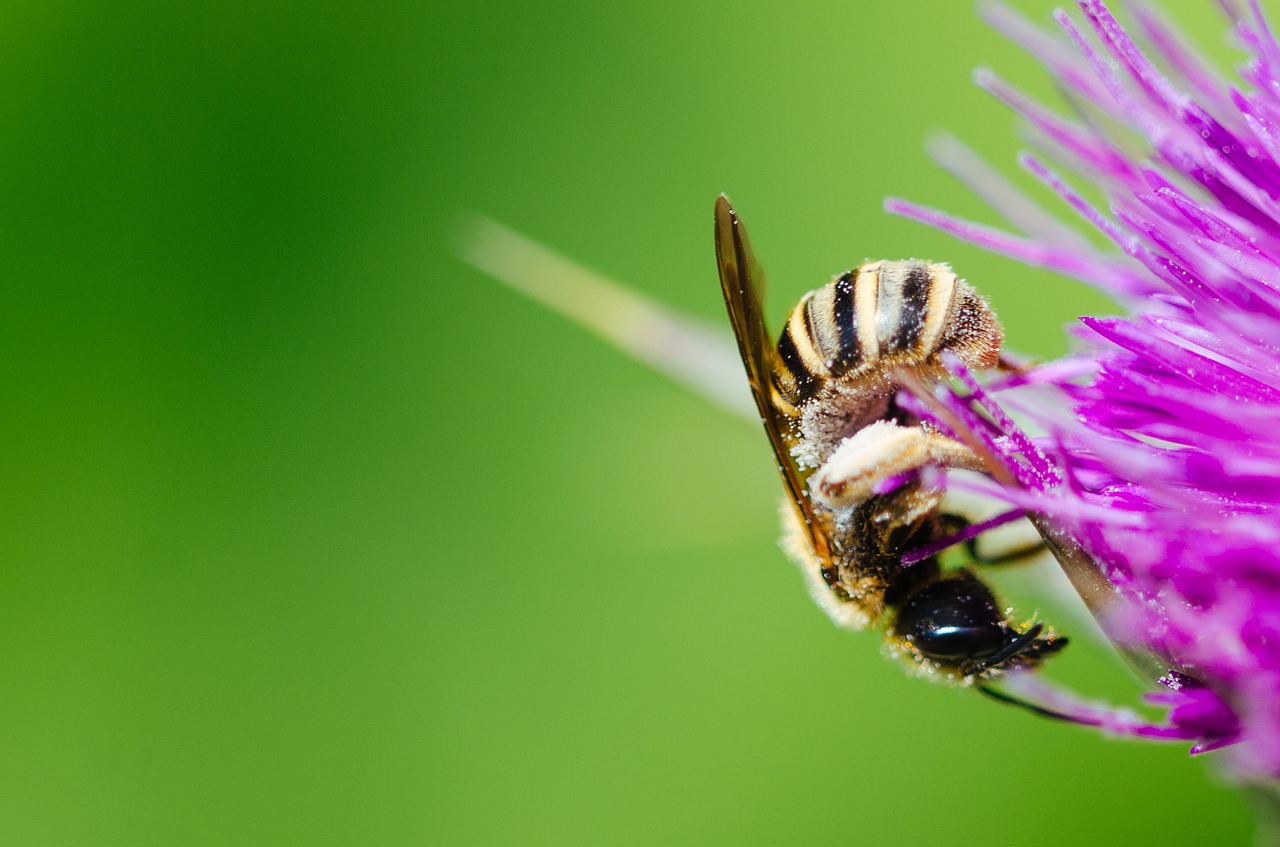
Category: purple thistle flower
[1158,481]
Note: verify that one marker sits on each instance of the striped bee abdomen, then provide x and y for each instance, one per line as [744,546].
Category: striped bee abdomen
[881,313]
[912,297]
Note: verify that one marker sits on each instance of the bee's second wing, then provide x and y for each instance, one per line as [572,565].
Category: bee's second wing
[742,283]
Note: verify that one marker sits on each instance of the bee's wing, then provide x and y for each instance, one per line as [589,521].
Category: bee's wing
[742,283]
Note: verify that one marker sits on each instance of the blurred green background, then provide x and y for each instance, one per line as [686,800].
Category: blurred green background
[315,535]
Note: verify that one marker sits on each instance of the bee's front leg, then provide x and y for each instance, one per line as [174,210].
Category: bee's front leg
[878,452]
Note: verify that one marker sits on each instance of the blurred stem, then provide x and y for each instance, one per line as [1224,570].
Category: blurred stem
[702,356]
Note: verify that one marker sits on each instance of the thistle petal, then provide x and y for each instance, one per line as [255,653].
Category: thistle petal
[1163,455]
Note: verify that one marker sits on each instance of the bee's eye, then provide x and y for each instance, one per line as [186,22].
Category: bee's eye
[953,621]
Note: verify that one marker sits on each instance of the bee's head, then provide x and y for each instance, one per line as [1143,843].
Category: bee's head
[954,622]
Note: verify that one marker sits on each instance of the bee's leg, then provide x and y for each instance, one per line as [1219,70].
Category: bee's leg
[956,525]
[1013,557]
[879,452]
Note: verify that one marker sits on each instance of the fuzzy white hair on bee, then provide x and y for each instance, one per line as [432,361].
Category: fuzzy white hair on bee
[827,396]
[877,452]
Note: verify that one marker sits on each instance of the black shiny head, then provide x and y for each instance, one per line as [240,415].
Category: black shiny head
[955,622]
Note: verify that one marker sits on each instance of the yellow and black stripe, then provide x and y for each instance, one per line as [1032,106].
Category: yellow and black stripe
[887,312]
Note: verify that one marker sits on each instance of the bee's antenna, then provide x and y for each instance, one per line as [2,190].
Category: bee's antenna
[1025,704]
[1068,707]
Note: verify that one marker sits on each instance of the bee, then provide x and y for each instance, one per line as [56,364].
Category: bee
[826,394]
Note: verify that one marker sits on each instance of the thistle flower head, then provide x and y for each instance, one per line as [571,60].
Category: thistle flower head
[1161,462]
[1154,468]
